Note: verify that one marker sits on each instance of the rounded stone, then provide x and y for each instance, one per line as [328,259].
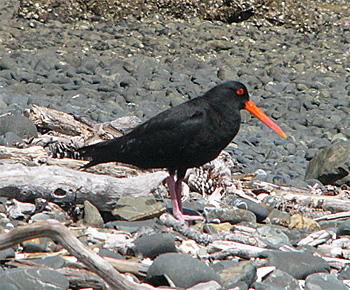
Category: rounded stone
[184,271]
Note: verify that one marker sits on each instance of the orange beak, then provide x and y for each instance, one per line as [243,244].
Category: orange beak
[251,107]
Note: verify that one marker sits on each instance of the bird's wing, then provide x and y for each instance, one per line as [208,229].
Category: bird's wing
[166,139]
[175,123]
[169,140]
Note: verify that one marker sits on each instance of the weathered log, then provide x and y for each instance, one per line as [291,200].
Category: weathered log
[58,121]
[60,185]
[67,124]
[34,154]
[331,199]
[335,216]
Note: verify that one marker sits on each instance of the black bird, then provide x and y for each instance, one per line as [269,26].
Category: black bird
[188,135]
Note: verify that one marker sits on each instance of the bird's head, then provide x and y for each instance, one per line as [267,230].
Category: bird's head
[238,92]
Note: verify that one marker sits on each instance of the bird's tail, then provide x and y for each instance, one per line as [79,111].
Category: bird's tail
[99,153]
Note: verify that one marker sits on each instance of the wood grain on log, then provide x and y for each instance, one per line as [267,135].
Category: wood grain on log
[59,184]
[34,154]
[46,118]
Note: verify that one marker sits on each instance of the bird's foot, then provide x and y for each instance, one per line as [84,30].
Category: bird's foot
[185,217]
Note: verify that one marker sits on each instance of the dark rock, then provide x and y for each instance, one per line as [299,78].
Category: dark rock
[210,229]
[33,278]
[30,247]
[7,254]
[220,266]
[345,273]
[296,235]
[131,208]
[260,211]
[8,286]
[189,208]
[10,139]
[299,265]
[267,286]
[152,246]
[331,165]
[228,213]
[323,281]
[109,253]
[54,262]
[182,270]
[312,182]
[21,126]
[278,280]
[92,216]
[276,216]
[133,227]
[244,272]
[272,236]
[6,62]
[343,228]
[194,205]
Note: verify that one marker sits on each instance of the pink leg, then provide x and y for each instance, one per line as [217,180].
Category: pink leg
[175,190]
[177,207]
[178,192]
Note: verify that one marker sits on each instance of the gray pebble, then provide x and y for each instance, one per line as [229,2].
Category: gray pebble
[182,270]
[298,265]
[19,125]
[33,278]
[323,281]
[152,246]
[278,280]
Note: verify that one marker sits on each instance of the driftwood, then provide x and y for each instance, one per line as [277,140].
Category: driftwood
[35,154]
[304,200]
[67,124]
[61,234]
[202,238]
[46,118]
[60,184]
[230,248]
[335,216]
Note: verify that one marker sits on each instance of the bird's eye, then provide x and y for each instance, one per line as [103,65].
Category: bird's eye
[240,92]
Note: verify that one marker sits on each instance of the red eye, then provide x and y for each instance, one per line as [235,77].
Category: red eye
[240,92]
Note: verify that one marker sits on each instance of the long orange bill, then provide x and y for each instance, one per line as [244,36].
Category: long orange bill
[251,107]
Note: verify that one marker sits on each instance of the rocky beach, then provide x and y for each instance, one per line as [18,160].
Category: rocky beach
[138,61]
[106,70]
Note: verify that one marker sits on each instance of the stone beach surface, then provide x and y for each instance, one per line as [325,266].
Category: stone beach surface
[298,73]
[105,70]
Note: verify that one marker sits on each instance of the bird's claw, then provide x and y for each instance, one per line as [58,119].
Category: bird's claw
[185,217]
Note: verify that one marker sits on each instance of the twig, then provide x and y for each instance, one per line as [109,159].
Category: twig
[194,234]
